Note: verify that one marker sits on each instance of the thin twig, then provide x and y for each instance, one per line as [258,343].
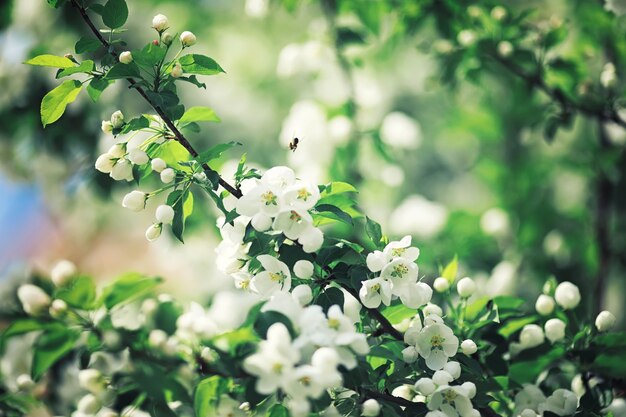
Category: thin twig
[180,138]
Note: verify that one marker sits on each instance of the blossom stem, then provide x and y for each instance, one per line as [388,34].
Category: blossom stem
[170,124]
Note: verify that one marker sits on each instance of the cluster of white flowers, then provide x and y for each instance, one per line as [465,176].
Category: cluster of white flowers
[398,277]
[531,402]
[306,366]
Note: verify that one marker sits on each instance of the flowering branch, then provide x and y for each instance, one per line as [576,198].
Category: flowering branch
[180,138]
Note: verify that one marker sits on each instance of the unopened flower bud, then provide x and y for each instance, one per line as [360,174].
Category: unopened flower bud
[544,305]
[177,71]
[605,321]
[160,23]
[34,300]
[58,308]
[126,57]
[371,408]
[138,156]
[168,175]
[117,119]
[466,37]
[302,294]
[410,354]
[135,200]
[505,49]
[498,12]
[466,287]
[567,295]
[441,284]
[91,380]
[117,151]
[24,382]
[158,164]
[303,269]
[89,404]
[122,170]
[425,386]
[442,378]
[62,272]
[555,330]
[531,336]
[164,214]
[469,347]
[167,38]
[187,38]
[107,126]
[155,42]
[105,163]
[153,232]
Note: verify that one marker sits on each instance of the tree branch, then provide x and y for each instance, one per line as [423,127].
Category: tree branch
[180,138]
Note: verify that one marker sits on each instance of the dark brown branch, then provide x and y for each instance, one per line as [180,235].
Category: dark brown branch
[180,138]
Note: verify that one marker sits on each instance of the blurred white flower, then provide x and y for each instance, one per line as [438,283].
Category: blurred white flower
[616,6]
[257,8]
[126,57]
[34,300]
[62,271]
[567,295]
[605,321]
[495,222]
[544,305]
[562,402]
[555,330]
[400,131]
[419,216]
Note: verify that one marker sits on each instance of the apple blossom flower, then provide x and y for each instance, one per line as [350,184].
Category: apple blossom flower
[605,321]
[375,291]
[122,170]
[138,156]
[135,200]
[160,23]
[117,119]
[303,269]
[164,214]
[469,347]
[126,57]
[62,272]
[466,287]
[34,300]
[544,305]
[275,277]
[562,402]
[452,400]
[436,343]
[107,126]
[168,175]
[425,386]
[567,295]
[554,330]
[187,38]
[158,165]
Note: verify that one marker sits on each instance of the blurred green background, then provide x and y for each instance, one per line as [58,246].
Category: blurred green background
[411,101]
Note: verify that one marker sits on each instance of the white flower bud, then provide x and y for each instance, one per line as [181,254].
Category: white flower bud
[404,391]
[58,308]
[138,156]
[425,386]
[441,284]
[470,388]
[126,57]
[505,49]
[303,269]
[62,272]
[157,338]
[117,119]
[117,151]
[105,163]
[531,336]
[544,305]
[168,175]
[466,287]
[160,23]
[24,382]
[453,368]
[608,76]
[158,165]
[302,294]
[371,408]
[153,232]
[135,200]
[34,300]
[498,12]
[605,321]
[442,378]
[167,38]
[177,71]
[410,354]
[432,309]
[187,38]
[311,240]
[122,170]
[555,330]
[469,347]
[466,37]
[528,413]
[107,126]
[567,295]
[164,214]
[91,380]
[89,404]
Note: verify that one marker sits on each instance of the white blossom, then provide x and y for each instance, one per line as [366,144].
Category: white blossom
[275,277]
[117,119]
[164,214]
[303,269]
[153,232]
[62,271]
[370,408]
[126,57]
[187,38]
[466,287]
[567,295]
[374,291]
[158,165]
[425,386]
[168,175]
[562,402]
[135,200]
[544,305]
[138,156]
[452,400]
[34,300]
[441,284]
[605,321]
[436,343]
[555,330]
[469,347]
[160,23]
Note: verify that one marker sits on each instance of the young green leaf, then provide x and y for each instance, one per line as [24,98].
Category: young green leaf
[182,203]
[85,67]
[80,293]
[51,346]
[450,271]
[333,212]
[374,231]
[127,287]
[54,61]
[115,13]
[199,64]
[86,45]
[96,87]
[149,56]
[208,393]
[215,152]
[54,103]
[278,410]
[123,71]
[199,114]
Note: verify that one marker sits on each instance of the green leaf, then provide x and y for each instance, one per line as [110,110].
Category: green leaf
[182,203]
[527,371]
[215,152]
[278,410]
[208,393]
[96,87]
[115,13]
[149,56]
[19,327]
[199,114]
[329,297]
[48,60]
[56,3]
[137,123]
[192,79]
[120,70]
[80,292]
[336,187]
[374,231]
[512,326]
[54,103]
[333,212]
[450,271]
[199,64]
[85,67]
[127,287]
[395,314]
[51,346]
[86,44]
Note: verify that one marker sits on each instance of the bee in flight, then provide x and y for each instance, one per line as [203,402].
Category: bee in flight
[293,145]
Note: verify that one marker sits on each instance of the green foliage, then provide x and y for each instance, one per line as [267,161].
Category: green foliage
[79,292]
[115,13]
[208,393]
[126,288]
[54,103]
[50,61]
[52,345]
[199,114]
[199,64]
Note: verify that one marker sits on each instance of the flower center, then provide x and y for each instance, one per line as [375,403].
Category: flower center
[277,368]
[269,198]
[333,324]
[436,342]
[305,380]
[277,276]
[397,252]
[376,287]
[450,396]
[295,217]
[244,284]
[303,194]
[399,270]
